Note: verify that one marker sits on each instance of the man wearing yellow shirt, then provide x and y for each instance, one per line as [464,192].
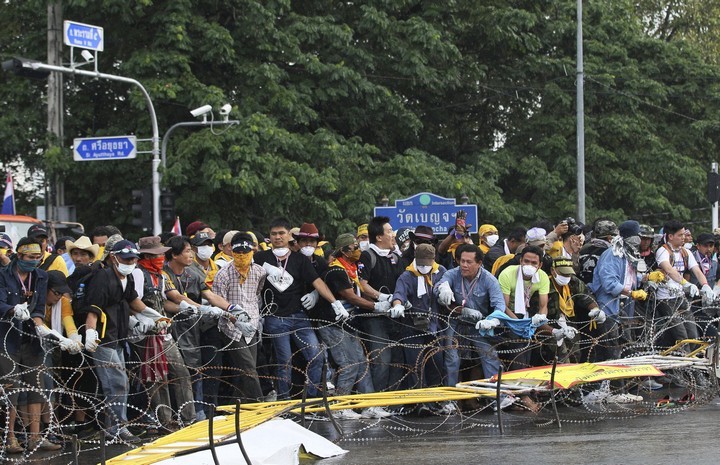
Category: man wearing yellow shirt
[50,261]
[203,247]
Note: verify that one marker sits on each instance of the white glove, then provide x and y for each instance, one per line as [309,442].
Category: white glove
[43,331]
[487,325]
[21,312]
[539,319]
[708,296]
[569,332]
[384,297]
[214,312]
[559,335]
[77,341]
[186,307]
[398,311]
[340,311]
[471,314]
[241,315]
[67,345]
[140,326]
[161,322]
[691,289]
[91,340]
[382,307]
[247,329]
[598,315]
[445,294]
[310,299]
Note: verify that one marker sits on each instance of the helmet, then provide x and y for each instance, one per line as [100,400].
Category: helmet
[647,231]
[604,228]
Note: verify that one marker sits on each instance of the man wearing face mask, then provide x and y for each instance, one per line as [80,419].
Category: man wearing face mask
[289,276]
[402,238]
[307,237]
[225,257]
[111,297]
[422,326]
[23,290]
[488,237]
[204,248]
[362,237]
[240,284]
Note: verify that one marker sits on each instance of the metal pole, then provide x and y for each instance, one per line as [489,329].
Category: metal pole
[714,169]
[166,137]
[55,99]
[153,119]
[580,119]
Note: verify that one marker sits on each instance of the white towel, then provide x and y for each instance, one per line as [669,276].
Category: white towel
[519,305]
[421,288]
[56,317]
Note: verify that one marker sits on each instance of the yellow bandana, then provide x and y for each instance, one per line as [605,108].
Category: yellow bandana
[28,249]
[428,278]
[567,306]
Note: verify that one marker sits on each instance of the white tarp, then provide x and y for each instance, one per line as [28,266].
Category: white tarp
[275,442]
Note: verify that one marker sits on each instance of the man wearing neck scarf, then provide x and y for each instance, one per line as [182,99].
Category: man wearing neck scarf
[163,367]
[240,283]
[422,325]
[570,299]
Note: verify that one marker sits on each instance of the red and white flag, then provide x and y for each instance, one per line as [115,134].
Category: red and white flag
[176,227]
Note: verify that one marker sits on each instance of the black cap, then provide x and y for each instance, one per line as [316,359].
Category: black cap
[200,238]
[705,238]
[36,231]
[242,242]
[58,282]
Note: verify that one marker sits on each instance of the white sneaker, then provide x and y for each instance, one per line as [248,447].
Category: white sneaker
[375,412]
[347,414]
[651,385]
[597,396]
[623,398]
[448,408]
[505,402]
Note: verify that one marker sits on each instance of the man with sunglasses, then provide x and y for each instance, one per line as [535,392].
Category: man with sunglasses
[111,297]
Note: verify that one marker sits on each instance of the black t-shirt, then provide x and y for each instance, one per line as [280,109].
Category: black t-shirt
[105,293]
[303,273]
[385,272]
[336,279]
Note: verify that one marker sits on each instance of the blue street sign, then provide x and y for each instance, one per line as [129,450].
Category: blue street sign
[83,36]
[429,210]
[105,148]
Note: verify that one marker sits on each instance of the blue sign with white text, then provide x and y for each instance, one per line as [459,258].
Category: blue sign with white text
[429,210]
[105,148]
[83,36]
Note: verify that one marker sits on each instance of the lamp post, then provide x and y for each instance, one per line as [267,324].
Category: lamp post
[30,68]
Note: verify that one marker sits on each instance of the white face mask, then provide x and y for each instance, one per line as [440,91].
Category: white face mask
[425,269]
[492,239]
[124,269]
[562,280]
[688,245]
[308,250]
[204,252]
[529,271]
[364,245]
[280,251]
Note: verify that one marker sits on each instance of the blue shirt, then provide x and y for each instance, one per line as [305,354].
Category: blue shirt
[482,293]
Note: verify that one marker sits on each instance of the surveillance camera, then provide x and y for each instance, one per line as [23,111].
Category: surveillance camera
[87,55]
[200,111]
[225,109]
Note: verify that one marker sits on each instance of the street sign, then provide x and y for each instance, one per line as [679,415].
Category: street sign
[83,36]
[429,210]
[105,148]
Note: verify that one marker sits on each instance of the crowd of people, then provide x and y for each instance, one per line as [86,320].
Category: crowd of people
[157,332]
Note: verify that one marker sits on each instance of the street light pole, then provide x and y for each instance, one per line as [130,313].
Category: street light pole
[580,90]
[37,66]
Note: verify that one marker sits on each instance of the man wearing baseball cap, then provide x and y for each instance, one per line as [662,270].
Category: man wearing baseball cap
[240,284]
[111,296]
